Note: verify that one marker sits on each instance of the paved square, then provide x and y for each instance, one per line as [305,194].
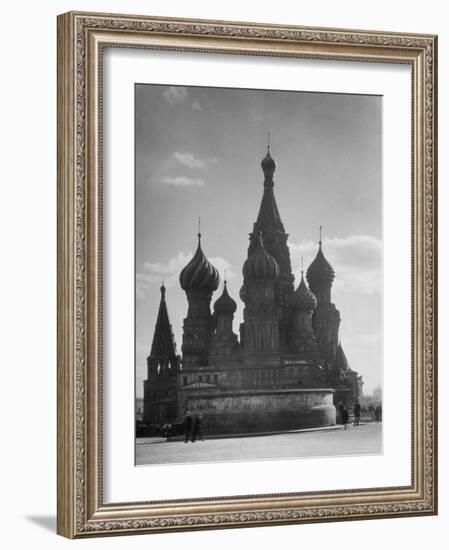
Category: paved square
[355,440]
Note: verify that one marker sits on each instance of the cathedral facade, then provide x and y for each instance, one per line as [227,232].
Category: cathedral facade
[284,369]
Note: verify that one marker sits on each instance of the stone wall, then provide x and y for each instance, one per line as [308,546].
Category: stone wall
[261,411]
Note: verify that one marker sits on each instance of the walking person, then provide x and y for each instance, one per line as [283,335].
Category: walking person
[198,428]
[344,416]
[188,426]
[378,413]
[357,413]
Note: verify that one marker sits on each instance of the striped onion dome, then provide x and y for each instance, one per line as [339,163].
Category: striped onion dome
[199,273]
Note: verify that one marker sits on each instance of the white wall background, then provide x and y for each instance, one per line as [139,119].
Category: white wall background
[28,274]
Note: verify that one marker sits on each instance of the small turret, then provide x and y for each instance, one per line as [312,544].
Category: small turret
[225,305]
[224,342]
[303,340]
[320,276]
[303,298]
[163,348]
[163,366]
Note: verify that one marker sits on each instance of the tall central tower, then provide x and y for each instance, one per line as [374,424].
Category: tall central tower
[269,225]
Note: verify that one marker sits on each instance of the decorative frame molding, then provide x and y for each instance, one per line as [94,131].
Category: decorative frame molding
[81,37]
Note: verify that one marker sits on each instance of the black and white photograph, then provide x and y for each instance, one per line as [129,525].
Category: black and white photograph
[223,240]
[258,274]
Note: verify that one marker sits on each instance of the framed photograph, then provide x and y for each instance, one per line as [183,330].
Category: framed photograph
[246,274]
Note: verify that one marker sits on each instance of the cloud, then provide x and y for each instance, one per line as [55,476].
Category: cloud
[175,94]
[157,273]
[222,265]
[357,261]
[182,181]
[189,160]
[196,106]
[154,273]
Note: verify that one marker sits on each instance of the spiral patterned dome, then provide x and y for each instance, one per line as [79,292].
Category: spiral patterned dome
[225,305]
[260,265]
[303,298]
[320,271]
[199,273]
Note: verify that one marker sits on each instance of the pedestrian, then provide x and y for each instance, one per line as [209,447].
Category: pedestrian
[378,413]
[344,416]
[188,425]
[166,431]
[198,428]
[357,413]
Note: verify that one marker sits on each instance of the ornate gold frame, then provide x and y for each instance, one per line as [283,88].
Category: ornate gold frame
[81,37]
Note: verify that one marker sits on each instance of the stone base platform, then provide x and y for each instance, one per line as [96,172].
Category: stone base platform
[263,410]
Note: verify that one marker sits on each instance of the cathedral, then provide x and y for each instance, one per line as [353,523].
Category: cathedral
[284,369]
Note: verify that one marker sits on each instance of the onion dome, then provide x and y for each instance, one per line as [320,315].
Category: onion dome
[225,305]
[260,265]
[303,298]
[268,167]
[199,274]
[320,271]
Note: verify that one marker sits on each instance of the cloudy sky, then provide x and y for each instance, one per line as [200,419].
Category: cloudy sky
[198,153]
